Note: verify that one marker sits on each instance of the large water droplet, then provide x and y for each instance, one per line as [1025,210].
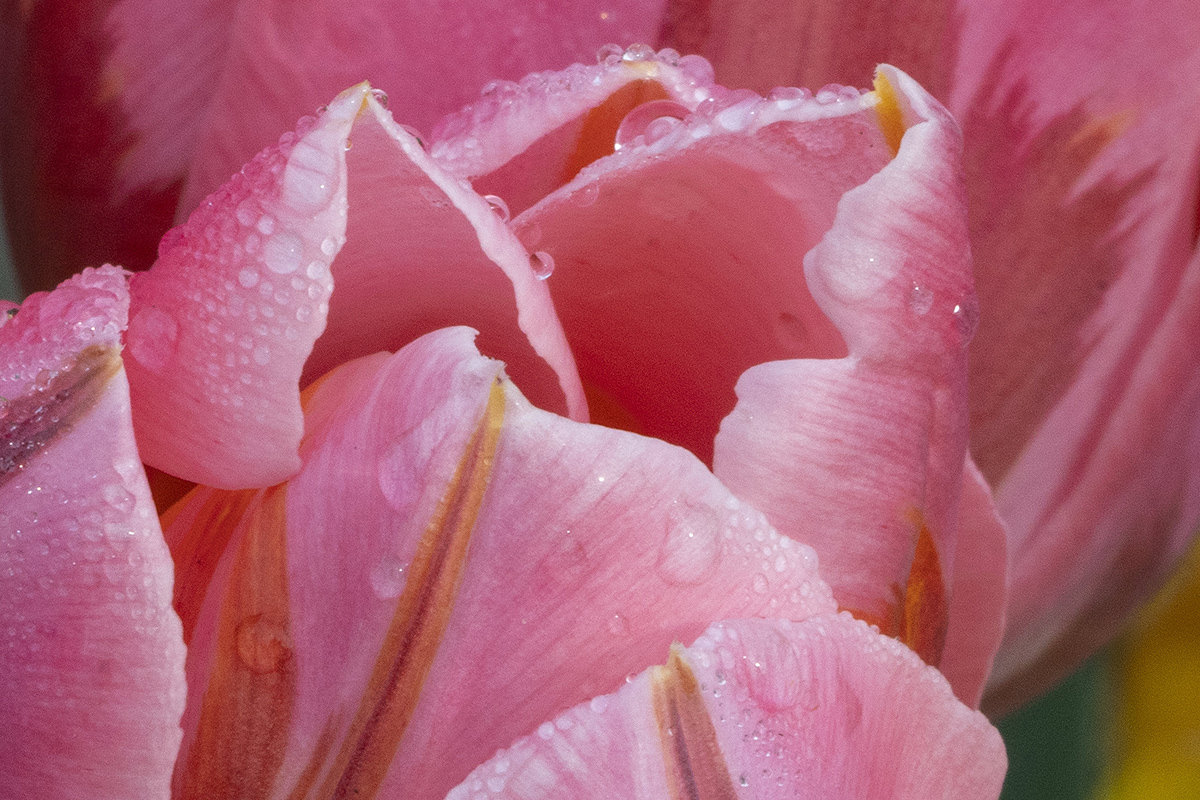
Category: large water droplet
[380,97]
[609,54]
[498,205]
[691,547]
[309,179]
[638,52]
[263,644]
[542,265]
[618,625]
[587,195]
[966,316]
[772,671]
[637,122]
[283,252]
[416,134]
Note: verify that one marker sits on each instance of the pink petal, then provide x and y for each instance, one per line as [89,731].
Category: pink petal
[862,456]
[978,588]
[1084,398]
[286,59]
[761,43]
[105,99]
[590,550]
[762,709]
[678,260]
[92,660]
[225,322]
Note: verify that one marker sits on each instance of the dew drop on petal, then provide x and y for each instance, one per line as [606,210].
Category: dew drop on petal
[263,645]
[498,205]
[416,134]
[283,252]
[387,578]
[966,316]
[920,299]
[380,96]
[152,338]
[691,547]
[542,264]
[609,54]
[636,122]
[587,195]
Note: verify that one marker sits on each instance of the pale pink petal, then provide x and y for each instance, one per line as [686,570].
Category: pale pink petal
[287,58]
[402,657]
[862,456]
[765,43]
[91,658]
[1084,166]
[102,105]
[762,709]
[978,589]
[224,323]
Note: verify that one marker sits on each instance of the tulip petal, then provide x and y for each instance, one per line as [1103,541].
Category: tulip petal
[761,43]
[451,548]
[678,260]
[291,57]
[91,657]
[979,590]
[762,709]
[225,321]
[102,104]
[1084,175]
[862,456]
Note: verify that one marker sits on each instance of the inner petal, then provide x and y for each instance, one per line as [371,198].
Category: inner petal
[679,262]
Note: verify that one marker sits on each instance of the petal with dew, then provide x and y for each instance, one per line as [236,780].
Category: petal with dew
[502,558]
[238,308]
[91,658]
[893,273]
[762,709]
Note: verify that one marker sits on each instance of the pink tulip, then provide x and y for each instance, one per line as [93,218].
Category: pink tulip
[1081,171]
[389,578]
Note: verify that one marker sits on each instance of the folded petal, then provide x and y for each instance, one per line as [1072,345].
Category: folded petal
[762,709]
[862,456]
[223,325]
[91,657]
[449,548]
[102,103]
[1084,174]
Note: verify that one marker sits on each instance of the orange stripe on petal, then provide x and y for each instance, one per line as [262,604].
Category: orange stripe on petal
[246,710]
[926,611]
[696,768]
[422,614]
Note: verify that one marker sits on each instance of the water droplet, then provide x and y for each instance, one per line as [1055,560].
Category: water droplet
[380,97]
[542,265]
[498,205]
[638,52]
[760,583]
[282,253]
[609,54]
[387,578]
[266,224]
[416,134]
[116,496]
[618,625]
[310,177]
[263,644]
[920,299]
[966,316]
[262,356]
[743,780]
[152,337]
[772,671]
[669,56]
[637,122]
[248,278]
[691,547]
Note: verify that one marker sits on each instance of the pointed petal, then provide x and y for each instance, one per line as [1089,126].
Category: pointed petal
[91,656]
[503,558]
[1084,400]
[225,321]
[287,59]
[760,43]
[762,709]
[862,456]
